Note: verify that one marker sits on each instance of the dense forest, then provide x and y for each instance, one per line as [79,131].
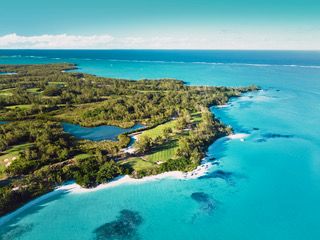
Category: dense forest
[36,155]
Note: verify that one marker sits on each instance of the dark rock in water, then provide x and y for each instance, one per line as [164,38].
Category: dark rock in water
[200,196]
[261,140]
[277,135]
[218,174]
[124,227]
[15,232]
[267,136]
[226,176]
[221,174]
[255,128]
[212,159]
[207,204]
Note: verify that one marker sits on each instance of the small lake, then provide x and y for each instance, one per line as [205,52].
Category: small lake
[8,73]
[1,122]
[100,133]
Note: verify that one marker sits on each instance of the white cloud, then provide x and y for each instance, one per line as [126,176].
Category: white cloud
[54,41]
[218,40]
[64,41]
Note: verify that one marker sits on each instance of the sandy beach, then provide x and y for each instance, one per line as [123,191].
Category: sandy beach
[74,188]
[121,180]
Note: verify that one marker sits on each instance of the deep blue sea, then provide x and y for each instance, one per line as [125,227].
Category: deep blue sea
[265,187]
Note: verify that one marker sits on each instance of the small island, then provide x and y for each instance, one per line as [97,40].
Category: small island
[37,154]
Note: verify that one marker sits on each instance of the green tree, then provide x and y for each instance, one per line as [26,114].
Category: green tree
[166,132]
[143,144]
[108,171]
[87,172]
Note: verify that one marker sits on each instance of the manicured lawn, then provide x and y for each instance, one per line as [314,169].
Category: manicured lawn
[58,83]
[168,150]
[33,90]
[23,106]
[13,151]
[163,153]
[196,117]
[6,92]
[137,163]
[158,131]
[10,155]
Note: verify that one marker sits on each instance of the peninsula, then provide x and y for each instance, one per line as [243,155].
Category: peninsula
[37,154]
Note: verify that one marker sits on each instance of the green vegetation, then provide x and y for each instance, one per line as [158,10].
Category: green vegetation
[6,92]
[36,155]
[21,107]
[180,146]
[34,90]
[163,152]
[10,155]
[158,131]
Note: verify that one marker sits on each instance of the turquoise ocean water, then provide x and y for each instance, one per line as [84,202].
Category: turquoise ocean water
[265,187]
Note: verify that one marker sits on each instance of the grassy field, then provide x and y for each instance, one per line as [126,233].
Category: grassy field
[161,154]
[22,106]
[164,152]
[9,155]
[6,92]
[58,83]
[138,163]
[34,90]
[196,117]
[158,131]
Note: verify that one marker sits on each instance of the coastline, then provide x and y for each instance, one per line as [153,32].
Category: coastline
[6,218]
[74,188]
[211,132]
[200,171]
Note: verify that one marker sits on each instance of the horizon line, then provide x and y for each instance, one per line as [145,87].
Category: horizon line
[157,49]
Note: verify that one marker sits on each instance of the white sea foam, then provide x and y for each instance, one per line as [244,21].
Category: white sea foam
[256,98]
[223,106]
[217,63]
[240,136]
[34,57]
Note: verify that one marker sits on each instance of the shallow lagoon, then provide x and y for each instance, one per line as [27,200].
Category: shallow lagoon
[264,187]
[97,133]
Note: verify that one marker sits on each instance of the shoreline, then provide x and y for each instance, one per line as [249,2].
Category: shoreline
[74,188]
[201,170]
[6,218]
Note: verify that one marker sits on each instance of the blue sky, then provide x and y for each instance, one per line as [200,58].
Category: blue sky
[216,24]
